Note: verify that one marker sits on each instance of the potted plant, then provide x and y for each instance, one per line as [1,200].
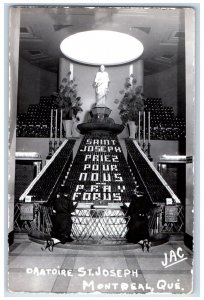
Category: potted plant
[131,104]
[67,100]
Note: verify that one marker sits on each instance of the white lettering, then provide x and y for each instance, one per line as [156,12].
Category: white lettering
[116,197]
[106,177]
[96,196]
[118,177]
[94,188]
[83,177]
[94,176]
[81,272]
[87,166]
[87,157]
[179,250]
[79,187]
[87,196]
[75,195]
[88,285]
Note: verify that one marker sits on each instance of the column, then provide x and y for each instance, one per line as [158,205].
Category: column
[64,67]
[190,122]
[14,32]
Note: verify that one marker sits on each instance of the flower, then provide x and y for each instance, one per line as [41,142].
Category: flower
[132,101]
[66,98]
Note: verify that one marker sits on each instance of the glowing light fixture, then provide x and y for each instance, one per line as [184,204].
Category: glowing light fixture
[97,47]
[27,154]
[173,157]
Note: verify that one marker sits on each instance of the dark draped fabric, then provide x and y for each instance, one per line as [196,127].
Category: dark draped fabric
[138,224]
[62,223]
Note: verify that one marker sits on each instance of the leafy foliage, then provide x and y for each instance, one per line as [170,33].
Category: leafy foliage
[67,98]
[132,101]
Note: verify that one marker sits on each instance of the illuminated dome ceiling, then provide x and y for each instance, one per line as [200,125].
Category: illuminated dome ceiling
[101,47]
[161,32]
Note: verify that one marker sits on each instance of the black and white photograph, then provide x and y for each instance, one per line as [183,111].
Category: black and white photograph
[101,140]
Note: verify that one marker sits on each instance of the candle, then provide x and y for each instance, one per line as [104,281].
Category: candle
[144,127]
[60,124]
[131,69]
[71,68]
[148,126]
[51,123]
[139,129]
[56,123]
[131,73]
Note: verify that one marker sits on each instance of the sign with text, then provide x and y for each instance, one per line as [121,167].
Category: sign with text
[26,212]
[101,171]
[171,214]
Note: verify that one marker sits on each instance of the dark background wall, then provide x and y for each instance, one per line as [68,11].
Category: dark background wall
[168,85]
[33,82]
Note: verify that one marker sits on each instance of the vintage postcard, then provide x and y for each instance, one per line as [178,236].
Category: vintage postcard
[101,150]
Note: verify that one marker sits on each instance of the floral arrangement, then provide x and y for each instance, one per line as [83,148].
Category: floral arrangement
[132,101]
[67,98]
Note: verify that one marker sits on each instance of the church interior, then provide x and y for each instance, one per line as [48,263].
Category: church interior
[135,139]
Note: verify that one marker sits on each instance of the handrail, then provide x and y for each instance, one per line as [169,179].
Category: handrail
[146,189]
[22,197]
[58,178]
[176,199]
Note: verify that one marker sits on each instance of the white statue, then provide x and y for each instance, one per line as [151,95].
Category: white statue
[101,84]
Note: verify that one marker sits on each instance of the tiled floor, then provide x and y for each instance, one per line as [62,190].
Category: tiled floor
[78,271]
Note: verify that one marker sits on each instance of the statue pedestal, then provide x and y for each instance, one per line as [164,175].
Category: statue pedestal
[100,122]
[100,112]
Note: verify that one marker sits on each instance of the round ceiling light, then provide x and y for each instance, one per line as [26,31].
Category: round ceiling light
[101,47]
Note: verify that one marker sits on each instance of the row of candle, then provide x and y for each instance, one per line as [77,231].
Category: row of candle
[55,112]
[144,133]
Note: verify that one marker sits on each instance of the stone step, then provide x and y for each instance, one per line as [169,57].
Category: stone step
[20,237]
[176,236]
[100,245]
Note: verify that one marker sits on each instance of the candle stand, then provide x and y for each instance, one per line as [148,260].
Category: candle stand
[148,152]
[53,146]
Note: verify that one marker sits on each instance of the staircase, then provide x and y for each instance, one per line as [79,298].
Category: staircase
[101,181]
[99,174]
